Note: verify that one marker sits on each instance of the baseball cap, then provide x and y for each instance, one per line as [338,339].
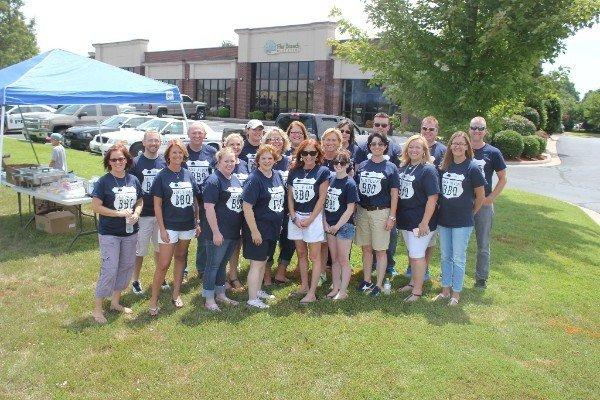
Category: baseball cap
[254,123]
[56,136]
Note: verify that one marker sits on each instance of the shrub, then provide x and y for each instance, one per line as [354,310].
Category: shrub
[539,106]
[223,112]
[531,114]
[543,142]
[531,146]
[269,116]
[510,143]
[519,124]
[554,110]
[256,114]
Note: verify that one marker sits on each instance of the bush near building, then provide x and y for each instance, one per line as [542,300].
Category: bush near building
[223,112]
[510,143]
[531,114]
[256,114]
[531,146]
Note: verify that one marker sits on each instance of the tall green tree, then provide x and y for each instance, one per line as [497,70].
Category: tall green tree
[456,59]
[590,107]
[17,35]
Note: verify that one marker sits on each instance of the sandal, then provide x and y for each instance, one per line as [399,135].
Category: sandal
[298,294]
[305,302]
[440,297]
[412,298]
[178,303]
[228,301]
[154,311]
[100,319]
[212,307]
[406,288]
[453,302]
[281,282]
[331,294]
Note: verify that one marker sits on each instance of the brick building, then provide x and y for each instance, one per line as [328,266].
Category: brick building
[274,69]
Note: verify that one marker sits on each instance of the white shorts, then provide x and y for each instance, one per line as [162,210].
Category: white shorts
[148,233]
[416,245]
[314,233]
[176,236]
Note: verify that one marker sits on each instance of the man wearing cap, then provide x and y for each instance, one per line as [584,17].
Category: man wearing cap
[59,157]
[254,132]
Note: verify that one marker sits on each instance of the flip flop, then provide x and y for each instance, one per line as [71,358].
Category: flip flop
[153,311]
[178,303]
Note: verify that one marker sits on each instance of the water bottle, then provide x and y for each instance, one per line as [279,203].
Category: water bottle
[128,227]
[387,286]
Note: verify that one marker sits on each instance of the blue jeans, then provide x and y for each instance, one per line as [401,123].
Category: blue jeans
[201,253]
[453,245]
[217,258]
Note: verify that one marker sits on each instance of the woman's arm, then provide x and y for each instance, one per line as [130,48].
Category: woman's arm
[344,218]
[100,209]
[391,221]
[429,210]
[162,231]
[479,198]
[251,221]
[291,209]
[197,217]
[211,217]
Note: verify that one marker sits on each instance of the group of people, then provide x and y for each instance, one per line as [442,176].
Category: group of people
[284,189]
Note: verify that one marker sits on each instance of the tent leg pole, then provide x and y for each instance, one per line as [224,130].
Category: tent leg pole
[27,135]
[1,138]
[184,118]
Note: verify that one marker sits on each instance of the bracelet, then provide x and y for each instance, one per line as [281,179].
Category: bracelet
[392,217]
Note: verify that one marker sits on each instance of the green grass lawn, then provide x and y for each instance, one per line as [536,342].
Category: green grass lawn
[533,334]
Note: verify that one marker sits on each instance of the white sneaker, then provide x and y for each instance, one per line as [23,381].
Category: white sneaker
[261,294]
[256,303]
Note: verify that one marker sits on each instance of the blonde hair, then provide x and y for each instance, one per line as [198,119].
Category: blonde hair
[405,158]
[232,136]
[332,131]
[448,157]
[223,152]
[286,140]
[431,119]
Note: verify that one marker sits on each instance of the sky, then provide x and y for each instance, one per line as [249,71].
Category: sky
[179,24]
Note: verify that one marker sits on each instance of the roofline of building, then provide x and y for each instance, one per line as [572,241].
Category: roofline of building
[266,28]
[122,42]
[193,49]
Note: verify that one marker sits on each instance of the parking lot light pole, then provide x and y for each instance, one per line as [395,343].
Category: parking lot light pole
[1,137]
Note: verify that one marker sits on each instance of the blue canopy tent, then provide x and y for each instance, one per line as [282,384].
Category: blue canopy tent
[61,77]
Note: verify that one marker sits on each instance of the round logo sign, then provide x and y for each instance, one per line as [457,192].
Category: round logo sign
[270,47]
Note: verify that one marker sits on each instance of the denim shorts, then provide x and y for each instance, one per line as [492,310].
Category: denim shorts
[346,232]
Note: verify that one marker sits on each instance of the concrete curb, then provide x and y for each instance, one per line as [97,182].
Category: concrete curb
[591,213]
[551,156]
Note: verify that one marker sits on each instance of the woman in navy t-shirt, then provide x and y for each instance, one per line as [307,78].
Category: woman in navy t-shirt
[342,196]
[346,128]
[331,141]
[462,194]
[297,133]
[419,188]
[263,198]
[307,190]
[176,208]
[118,199]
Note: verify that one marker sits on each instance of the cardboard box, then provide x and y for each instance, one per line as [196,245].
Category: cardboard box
[45,206]
[56,222]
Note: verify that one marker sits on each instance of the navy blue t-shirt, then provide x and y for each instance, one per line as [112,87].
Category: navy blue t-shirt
[375,182]
[266,196]
[305,186]
[489,159]
[248,154]
[226,195]
[437,151]
[241,171]
[340,193]
[177,191]
[145,169]
[393,153]
[457,194]
[201,163]
[283,166]
[117,194]
[417,183]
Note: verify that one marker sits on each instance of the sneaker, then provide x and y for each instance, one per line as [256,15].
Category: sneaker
[365,286]
[165,286]
[184,278]
[480,284]
[261,294]
[136,287]
[391,271]
[376,291]
[408,272]
[256,303]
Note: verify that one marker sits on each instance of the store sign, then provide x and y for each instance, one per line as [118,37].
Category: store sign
[271,47]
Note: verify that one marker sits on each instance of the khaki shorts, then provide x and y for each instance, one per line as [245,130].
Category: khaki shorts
[370,228]
[148,233]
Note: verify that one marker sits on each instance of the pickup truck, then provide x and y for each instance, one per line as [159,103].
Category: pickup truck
[193,109]
[316,124]
[40,128]
[13,120]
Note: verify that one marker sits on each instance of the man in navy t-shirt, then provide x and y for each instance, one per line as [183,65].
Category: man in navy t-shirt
[254,133]
[489,160]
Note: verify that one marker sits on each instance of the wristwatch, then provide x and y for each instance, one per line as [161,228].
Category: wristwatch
[392,217]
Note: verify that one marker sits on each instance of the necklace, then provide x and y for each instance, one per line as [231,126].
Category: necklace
[410,171]
[117,182]
[306,173]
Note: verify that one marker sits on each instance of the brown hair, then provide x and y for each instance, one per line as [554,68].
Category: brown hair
[178,143]
[264,148]
[343,156]
[299,125]
[448,157]
[350,123]
[119,146]
[431,119]
[298,162]
[405,158]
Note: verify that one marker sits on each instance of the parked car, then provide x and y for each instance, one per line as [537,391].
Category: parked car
[13,121]
[193,109]
[39,129]
[79,137]
[169,128]
[316,124]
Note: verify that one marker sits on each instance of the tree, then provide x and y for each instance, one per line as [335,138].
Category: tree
[590,106]
[459,59]
[17,36]
[227,43]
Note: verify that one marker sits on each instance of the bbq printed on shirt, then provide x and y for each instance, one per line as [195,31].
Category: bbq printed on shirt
[304,189]
[276,202]
[200,170]
[125,197]
[406,186]
[149,175]
[370,183]
[183,194]
[332,202]
[235,199]
[452,185]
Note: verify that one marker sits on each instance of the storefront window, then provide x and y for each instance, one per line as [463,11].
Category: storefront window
[214,92]
[283,87]
[360,102]
[175,82]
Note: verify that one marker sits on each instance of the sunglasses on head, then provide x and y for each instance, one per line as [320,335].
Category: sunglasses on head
[423,128]
[345,131]
[308,153]
[340,162]
[380,144]
[478,128]
[120,159]
[377,125]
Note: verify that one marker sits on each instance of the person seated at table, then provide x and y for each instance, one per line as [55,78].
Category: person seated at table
[59,156]
[117,198]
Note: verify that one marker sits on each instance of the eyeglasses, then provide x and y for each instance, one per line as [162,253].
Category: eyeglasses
[297,133]
[275,139]
[115,160]
[305,153]
[345,131]
[380,144]
[377,125]
[458,144]
[424,129]
[478,128]
[340,162]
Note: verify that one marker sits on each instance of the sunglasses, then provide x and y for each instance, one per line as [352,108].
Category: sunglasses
[377,144]
[427,129]
[345,131]
[305,153]
[377,125]
[478,128]
[120,159]
[340,162]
